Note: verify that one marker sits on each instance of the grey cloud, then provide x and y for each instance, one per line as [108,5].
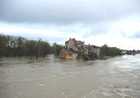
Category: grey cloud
[65,11]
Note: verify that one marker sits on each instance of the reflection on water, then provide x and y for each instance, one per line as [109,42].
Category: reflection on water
[54,78]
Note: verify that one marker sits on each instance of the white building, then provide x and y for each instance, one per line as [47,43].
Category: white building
[73,44]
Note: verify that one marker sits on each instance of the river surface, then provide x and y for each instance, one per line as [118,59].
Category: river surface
[51,77]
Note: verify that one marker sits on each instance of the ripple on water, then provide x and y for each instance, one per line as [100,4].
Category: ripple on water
[52,78]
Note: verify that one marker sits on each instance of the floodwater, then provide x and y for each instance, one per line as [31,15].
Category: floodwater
[51,77]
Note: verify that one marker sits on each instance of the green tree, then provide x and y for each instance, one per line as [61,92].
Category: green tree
[109,51]
[57,48]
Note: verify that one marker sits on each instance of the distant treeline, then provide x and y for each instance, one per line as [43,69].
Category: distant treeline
[110,51]
[114,51]
[11,46]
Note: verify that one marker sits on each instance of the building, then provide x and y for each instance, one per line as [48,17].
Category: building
[12,44]
[75,47]
[73,44]
[67,54]
[96,50]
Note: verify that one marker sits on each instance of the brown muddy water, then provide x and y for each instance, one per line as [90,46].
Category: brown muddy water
[51,77]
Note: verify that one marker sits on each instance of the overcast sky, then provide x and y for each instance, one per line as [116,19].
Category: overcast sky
[98,22]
